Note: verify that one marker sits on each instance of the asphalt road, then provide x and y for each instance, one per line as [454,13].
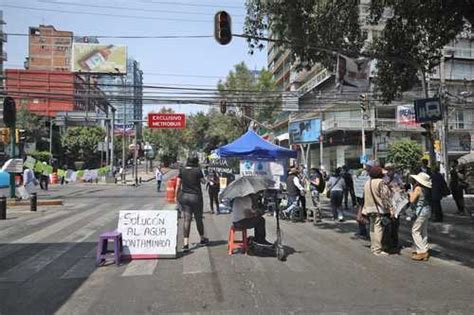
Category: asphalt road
[47,266]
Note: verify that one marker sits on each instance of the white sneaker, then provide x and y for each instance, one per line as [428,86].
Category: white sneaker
[382,253]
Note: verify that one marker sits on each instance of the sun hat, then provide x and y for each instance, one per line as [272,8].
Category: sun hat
[422,178]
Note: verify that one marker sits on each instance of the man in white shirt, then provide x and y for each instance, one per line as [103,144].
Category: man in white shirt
[159,178]
[244,216]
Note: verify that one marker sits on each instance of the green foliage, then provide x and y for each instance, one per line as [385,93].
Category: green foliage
[169,143]
[80,144]
[42,156]
[406,155]
[33,125]
[250,94]
[314,30]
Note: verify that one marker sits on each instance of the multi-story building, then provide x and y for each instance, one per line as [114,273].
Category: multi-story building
[342,118]
[49,49]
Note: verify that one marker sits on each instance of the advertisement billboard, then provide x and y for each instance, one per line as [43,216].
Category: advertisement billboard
[99,58]
[406,115]
[304,131]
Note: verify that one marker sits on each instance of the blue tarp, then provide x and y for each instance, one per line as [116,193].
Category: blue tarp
[252,146]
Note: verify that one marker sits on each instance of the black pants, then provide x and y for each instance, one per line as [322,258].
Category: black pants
[191,204]
[458,196]
[437,210]
[346,196]
[213,199]
[302,204]
[44,180]
[158,185]
[257,223]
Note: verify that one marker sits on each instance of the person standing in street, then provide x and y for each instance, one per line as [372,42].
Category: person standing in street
[420,198]
[346,174]
[378,207]
[316,186]
[439,191]
[294,190]
[336,186]
[44,179]
[457,184]
[302,198]
[394,182]
[159,178]
[188,185]
[213,188]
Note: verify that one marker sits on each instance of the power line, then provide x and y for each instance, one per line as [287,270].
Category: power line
[82,5]
[116,36]
[110,14]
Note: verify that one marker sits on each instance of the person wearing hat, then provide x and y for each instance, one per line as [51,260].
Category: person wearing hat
[294,190]
[378,207]
[420,198]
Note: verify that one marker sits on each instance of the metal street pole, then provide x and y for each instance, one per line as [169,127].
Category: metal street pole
[124,174]
[112,136]
[444,128]
[51,141]
[107,139]
[135,152]
[13,155]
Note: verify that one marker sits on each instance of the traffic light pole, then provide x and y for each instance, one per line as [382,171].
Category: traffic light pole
[12,156]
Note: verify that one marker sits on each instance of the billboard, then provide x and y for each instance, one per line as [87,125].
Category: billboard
[99,58]
[406,115]
[304,131]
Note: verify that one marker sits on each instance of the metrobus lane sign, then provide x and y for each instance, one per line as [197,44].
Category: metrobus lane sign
[166,121]
[428,109]
[149,234]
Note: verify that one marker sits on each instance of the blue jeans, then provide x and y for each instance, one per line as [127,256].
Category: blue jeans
[292,204]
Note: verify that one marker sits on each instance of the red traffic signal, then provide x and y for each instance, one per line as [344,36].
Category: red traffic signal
[222,28]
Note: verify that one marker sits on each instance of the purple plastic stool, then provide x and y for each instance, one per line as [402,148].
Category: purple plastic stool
[102,246]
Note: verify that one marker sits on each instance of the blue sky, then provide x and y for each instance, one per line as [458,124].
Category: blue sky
[164,61]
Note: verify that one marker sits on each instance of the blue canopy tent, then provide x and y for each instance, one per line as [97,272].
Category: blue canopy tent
[252,146]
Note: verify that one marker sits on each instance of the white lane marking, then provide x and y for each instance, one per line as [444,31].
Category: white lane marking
[82,269]
[144,267]
[37,262]
[34,221]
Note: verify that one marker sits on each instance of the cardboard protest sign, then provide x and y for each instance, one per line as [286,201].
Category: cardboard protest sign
[359,184]
[47,169]
[149,233]
[399,202]
[30,162]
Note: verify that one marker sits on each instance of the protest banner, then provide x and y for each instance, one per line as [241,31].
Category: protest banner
[359,183]
[30,162]
[399,202]
[149,233]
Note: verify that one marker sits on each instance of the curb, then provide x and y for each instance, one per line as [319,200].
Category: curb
[51,202]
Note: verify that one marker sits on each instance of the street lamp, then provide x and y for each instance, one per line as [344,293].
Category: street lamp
[123,130]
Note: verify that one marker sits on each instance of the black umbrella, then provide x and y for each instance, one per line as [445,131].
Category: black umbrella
[247,185]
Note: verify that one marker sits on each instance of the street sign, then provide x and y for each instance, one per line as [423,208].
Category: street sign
[428,109]
[166,121]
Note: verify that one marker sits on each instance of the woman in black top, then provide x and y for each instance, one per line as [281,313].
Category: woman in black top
[213,188]
[190,198]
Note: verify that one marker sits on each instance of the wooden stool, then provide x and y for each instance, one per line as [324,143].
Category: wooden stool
[233,244]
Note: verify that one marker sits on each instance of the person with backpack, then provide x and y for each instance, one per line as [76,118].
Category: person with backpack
[316,186]
[335,190]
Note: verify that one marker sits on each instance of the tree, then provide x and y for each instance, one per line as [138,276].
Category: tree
[80,144]
[251,95]
[406,155]
[315,30]
[33,125]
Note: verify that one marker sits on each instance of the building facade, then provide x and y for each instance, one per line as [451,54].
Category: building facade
[49,49]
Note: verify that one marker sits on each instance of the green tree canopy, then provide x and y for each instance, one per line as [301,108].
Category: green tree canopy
[251,94]
[80,144]
[406,155]
[314,30]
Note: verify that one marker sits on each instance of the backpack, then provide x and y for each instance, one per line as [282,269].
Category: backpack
[322,184]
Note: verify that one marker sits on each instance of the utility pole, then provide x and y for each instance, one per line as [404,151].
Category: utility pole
[364,102]
[135,153]
[444,130]
[124,174]
[430,129]
[321,145]
[112,136]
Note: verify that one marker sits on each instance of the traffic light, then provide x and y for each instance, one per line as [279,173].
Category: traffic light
[5,135]
[223,107]
[9,112]
[222,28]
[20,135]
[364,100]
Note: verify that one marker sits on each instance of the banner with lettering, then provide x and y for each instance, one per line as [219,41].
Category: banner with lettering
[149,233]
